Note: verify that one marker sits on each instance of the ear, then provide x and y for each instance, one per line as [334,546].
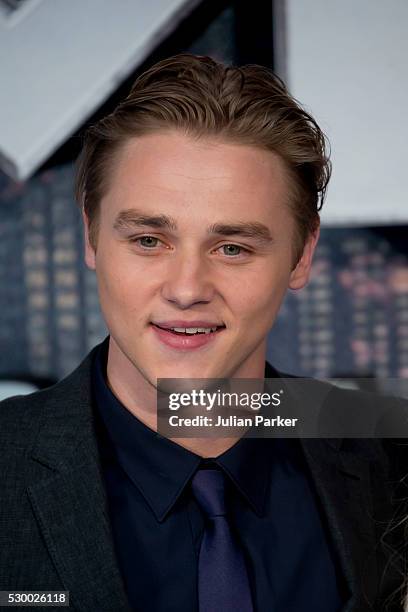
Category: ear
[300,275]
[89,251]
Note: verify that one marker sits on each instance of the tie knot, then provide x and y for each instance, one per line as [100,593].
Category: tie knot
[208,487]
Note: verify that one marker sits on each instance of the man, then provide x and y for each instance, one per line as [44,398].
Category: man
[200,196]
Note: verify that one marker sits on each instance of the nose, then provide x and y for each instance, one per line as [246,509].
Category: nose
[188,281]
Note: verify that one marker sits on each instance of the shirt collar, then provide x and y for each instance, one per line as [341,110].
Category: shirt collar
[161,468]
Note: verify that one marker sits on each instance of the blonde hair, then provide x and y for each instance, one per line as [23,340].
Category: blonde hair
[202,97]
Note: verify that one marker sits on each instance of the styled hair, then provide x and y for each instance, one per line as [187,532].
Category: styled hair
[201,97]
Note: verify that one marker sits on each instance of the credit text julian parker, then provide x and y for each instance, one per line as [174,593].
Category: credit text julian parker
[231,421]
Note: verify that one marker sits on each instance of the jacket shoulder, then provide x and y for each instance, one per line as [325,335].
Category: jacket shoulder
[21,416]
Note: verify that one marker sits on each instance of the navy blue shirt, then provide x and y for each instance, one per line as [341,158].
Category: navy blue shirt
[157,525]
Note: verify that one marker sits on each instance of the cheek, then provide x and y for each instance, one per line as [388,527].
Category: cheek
[119,284]
[260,302]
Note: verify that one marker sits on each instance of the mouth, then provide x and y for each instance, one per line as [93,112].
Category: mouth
[177,332]
[185,340]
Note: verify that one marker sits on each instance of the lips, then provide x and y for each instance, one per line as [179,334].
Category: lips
[179,333]
[184,324]
[184,341]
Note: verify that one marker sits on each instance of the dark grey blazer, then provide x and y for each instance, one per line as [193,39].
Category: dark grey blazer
[54,525]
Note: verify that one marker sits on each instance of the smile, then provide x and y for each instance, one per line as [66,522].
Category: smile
[186,338]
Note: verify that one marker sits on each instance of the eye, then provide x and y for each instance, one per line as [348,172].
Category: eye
[232,249]
[149,241]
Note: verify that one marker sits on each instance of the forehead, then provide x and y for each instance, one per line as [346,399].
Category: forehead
[177,171]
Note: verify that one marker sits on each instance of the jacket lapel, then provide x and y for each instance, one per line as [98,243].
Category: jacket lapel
[69,500]
[342,482]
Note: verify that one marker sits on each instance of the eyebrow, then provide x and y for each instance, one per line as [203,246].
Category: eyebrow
[132,218]
[248,229]
[129,219]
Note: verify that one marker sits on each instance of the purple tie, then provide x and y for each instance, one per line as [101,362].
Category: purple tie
[223,584]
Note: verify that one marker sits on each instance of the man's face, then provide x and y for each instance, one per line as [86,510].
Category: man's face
[220,252]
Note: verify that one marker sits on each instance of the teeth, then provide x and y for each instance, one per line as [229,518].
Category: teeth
[194,330]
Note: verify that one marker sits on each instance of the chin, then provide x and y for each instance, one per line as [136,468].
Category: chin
[184,372]
[187,371]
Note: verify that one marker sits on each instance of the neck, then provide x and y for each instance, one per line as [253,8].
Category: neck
[141,400]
